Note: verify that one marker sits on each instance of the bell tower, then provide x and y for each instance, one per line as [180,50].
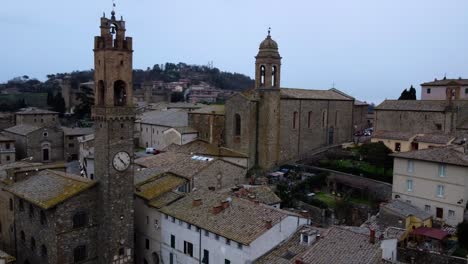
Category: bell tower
[114,117]
[268,64]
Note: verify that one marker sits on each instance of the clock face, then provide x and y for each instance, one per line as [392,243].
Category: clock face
[121,161]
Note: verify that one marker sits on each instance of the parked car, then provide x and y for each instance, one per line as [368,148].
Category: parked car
[152,151]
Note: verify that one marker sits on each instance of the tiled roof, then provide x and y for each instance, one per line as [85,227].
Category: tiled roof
[405,209]
[77,131]
[243,221]
[143,174]
[186,130]
[49,188]
[312,94]
[158,185]
[435,138]
[341,246]
[445,82]
[397,135]
[4,137]
[360,103]
[6,257]
[14,165]
[23,129]
[165,199]
[261,193]
[210,109]
[202,147]
[34,111]
[220,174]
[413,105]
[179,163]
[286,252]
[448,155]
[167,118]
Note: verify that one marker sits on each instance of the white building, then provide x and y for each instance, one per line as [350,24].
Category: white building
[435,180]
[208,227]
[86,155]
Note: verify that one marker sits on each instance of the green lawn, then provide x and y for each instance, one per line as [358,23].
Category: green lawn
[330,199]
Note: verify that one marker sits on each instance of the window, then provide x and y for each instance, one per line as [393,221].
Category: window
[33,244]
[11,204]
[228,242]
[237,125]
[324,118]
[80,220]
[428,90]
[410,166]
[172,241]
[44,251]
[216,236]
[274,74]
[8,158]
[409,185]
[31,211]
[173,219]
[80,253]
[262,75]
[166,216]
[451,213]
[207,233]
[295,119]
[227,261]
[337,116]
[466,90]
[239,246]
[439,126]
[442,169]
[188,248]
[171,258]
[180,222]
[7,145]
[43,218]
[189,226]
[427,208]
[440,190]
[45,134]
[147,220]
[397,146]
[21,205]
[121,251]
[309,120]
[206,257]
[156,223]
[71,145]
[147,244]
[22,236]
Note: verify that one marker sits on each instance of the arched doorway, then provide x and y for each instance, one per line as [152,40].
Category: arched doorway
[46,152]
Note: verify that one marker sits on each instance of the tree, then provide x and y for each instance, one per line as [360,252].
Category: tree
[377,154]
[408,95]
[58,104]
[177,97]
[462,234]
[83,109]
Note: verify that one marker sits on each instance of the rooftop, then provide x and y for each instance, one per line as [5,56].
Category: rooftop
[49,188]
[23,129]
[202,147]
[143,174]
[405,209]
[77,131]
[34,111]
[186,130]
[243,221]
[414,105]
[165,199]
[6,257]
[447,82]
[210,109]
[4,137]
[435,138]
[166,118]
[158,185]
[220,174]
[261,193]
[396,135]
[313,94]
[448,155]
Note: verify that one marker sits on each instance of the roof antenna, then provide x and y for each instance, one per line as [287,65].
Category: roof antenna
[269,31]
[113,9]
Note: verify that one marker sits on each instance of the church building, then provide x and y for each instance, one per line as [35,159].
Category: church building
[273,125]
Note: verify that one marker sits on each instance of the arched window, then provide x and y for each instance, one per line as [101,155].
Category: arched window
[22,236]
[80,253]
[120,93]
[113,33]
[33,244]
[237,125]
[324,118]
[101,94]
[274,75]
[309,120]
[80,219]
[295,119]
[44,251]
[262,75]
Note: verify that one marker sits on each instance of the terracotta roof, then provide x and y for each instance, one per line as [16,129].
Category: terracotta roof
[341,246]
[210,109]
[202,147]
[243,221]
[49,188]
[143,174]
[261,193]
[77,131]
[179,163]
[286,252]
[167,118]
[23,129]
[312,94]
[435,138]
[445,82]
[405,209]
[430,232]
[186,130]
[414,105]
[448,155]
[158,185]
[220,174]
[14,165]
[396,135]
[34,111]
[165,199]
[360,103]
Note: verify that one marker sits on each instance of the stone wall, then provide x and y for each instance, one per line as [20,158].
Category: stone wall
[37,140]
[413,256]
[210,127]
[412,121]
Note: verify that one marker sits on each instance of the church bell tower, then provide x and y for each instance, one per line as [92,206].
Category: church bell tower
[114,118]
[268,64]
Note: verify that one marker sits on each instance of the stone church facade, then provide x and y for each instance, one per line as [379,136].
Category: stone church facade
[273,125]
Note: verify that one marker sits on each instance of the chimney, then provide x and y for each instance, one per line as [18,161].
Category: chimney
[256,201]
[225,204]
[298,261]
[217,209]
[268,224]
[197,202]
[372,236]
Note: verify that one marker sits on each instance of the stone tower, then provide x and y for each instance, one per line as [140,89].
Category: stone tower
[114,117]
[267,84]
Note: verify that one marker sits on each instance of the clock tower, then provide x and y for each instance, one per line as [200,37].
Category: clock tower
[114,118]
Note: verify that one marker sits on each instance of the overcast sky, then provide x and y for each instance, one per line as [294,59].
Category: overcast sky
[371,49]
